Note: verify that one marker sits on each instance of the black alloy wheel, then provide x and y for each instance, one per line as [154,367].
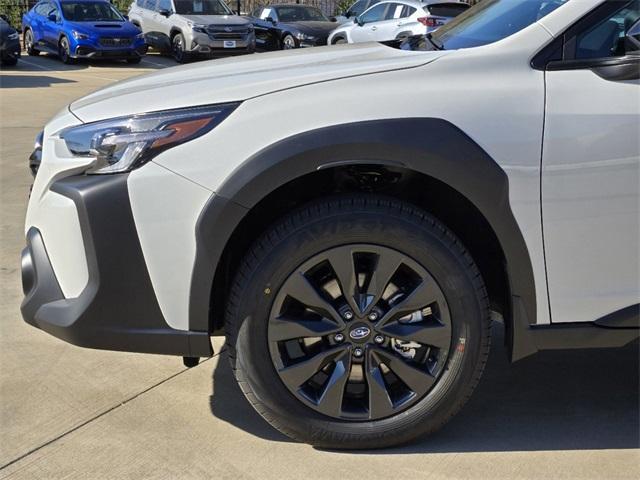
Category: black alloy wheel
[28,43]
[178,47]
[64,51]
[359,332]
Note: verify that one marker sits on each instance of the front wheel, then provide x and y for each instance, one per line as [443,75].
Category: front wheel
[28,44]
[64,51]
[178,46]
[339,41]
[358,322]
[288,42]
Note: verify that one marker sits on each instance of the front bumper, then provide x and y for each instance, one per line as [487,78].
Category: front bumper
[118,309]
[210,44]
[10,49]
[90,51]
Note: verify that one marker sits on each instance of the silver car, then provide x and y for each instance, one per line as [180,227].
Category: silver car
[187,28]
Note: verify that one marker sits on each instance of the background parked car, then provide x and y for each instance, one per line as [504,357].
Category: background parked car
[9,43]
[282,27]
[76,29]
[390,20]
[187,28]
[356,9]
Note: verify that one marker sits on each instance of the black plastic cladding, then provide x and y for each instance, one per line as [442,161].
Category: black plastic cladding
[430,146]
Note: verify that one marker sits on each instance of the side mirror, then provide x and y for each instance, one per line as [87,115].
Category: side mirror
[52,17]
[165,12]
[333,19]
[359,21]
[271,20]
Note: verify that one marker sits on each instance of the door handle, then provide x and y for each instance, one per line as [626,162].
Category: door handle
[400,24]
[374,28]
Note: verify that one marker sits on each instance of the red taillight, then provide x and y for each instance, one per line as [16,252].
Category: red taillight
[431,21]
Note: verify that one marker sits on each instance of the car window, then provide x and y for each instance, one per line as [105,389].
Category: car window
[268,12]
[446,9]
[90,12]
[407,11]
[165,5]
[256,12]
[492,20]
[394,10]
[300,14]
[44,8]
[607,38]
[202,7]
[357,8]
[374,14]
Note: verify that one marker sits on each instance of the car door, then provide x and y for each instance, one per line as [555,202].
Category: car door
[266,32]
[591,168]
[39,16]
[162,21]
[395,22]
[366,30]
[51,28]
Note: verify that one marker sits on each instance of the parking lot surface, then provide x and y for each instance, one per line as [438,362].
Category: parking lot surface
[67,412]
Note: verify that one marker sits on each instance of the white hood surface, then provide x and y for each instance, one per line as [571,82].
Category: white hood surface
[241,78]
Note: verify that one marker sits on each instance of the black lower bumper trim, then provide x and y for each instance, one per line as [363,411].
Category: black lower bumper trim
[117,310]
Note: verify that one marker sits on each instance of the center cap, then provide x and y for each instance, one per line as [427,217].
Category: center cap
[360,333]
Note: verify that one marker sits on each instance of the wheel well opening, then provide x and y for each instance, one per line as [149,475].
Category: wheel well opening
[423,191]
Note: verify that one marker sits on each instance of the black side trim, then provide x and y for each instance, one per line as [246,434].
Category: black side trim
[628,317]
[118,309]
[431,146]
[560,336]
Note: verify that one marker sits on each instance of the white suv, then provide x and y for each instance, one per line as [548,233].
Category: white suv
[396,19]
[354,256]
[187,28]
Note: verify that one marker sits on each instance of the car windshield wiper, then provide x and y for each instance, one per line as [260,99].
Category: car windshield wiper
[436,45]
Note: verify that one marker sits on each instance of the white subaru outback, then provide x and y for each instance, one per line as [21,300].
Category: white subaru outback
[354,256]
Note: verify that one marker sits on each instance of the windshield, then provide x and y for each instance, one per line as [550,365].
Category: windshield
[201,7]
[90,12]
[490,21]
[300,14]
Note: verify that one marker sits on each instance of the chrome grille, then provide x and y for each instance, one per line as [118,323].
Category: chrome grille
[227,33]
[115,42]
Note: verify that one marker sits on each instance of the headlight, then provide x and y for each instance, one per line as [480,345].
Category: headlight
[198,27]
[80,36]
[13,36]
[304,36]
[140,36]
[124,143]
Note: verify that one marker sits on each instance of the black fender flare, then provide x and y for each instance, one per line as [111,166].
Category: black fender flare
[431,146]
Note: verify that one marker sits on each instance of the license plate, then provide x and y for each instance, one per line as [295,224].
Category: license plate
[229,44]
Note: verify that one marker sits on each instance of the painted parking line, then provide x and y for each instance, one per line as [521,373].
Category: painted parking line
[35,65]
[144,60]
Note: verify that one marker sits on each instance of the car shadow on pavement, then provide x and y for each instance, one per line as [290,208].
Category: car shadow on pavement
[30,81]
[556,400]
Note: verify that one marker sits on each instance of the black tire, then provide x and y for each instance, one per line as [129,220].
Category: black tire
[64,51]
[178,45]
[134,61]
[288,42]
[28,43]
[319,227]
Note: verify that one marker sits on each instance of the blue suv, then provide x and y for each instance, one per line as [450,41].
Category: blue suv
[76,29]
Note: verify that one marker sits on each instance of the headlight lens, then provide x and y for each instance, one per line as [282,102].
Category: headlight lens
[13,36]
[124,143]
[199,27]
[80,36]
[304,36]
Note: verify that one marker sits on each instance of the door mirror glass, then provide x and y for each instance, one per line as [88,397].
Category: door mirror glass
[52,17]
[164,12]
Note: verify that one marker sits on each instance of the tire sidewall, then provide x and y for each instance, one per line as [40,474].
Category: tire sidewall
[423,244]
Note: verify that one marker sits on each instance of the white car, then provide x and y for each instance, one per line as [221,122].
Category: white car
[396,19]
[354,257]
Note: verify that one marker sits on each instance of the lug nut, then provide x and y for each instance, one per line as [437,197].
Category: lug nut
[338,337]
[378,339]
[373,316]
[347,315]
[358,352]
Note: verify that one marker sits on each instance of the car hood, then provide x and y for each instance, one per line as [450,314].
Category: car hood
[241,78]
[216,19]
[317,28]
[104,28]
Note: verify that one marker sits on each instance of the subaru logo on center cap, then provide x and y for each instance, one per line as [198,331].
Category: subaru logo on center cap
[359,333]
[227,29]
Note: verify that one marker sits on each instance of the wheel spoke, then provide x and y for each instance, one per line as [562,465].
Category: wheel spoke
[330,402]
[426,293]
[295,375]
[341,261]
[386,266]
[419,381]
[379,402]
[299,287]
[283,328]
[437,335]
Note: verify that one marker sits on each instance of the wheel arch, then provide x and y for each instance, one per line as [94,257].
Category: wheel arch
[420,149]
